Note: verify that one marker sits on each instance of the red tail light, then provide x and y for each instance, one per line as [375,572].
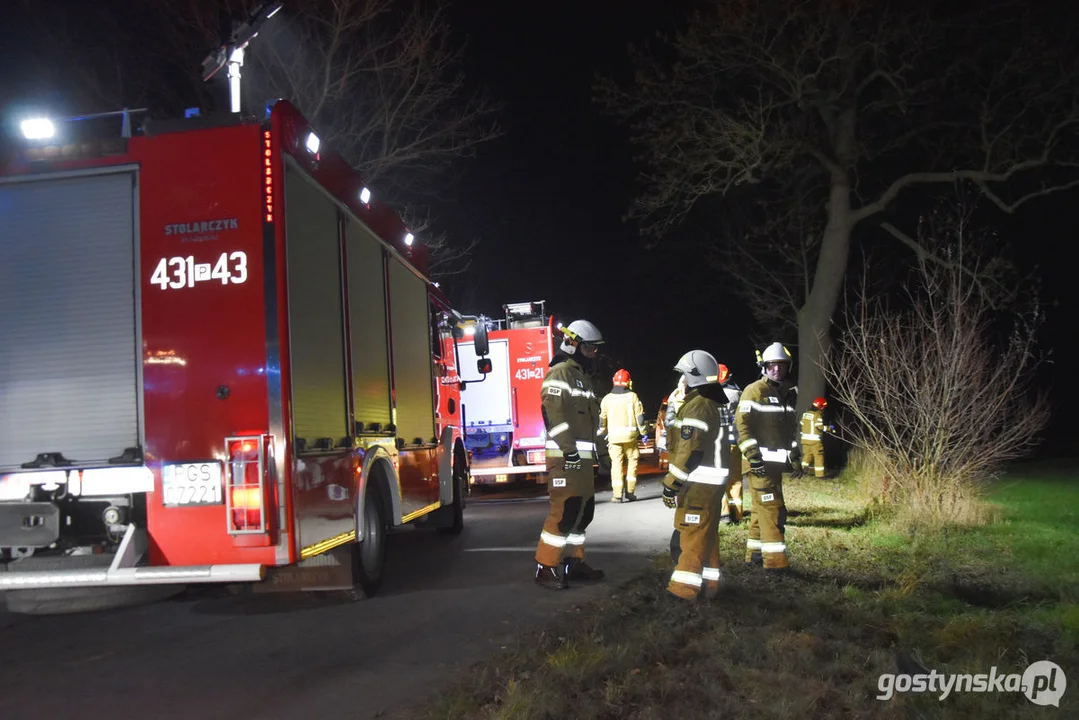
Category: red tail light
[245,497]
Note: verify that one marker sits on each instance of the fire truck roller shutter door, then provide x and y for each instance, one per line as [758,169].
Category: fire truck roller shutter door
[411,353]
[367,315]
[316,319]
[69,370]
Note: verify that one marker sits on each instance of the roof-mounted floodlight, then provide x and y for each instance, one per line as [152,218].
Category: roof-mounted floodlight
[365,196]
[409,239]
[312,143]
[230,50]
[37,128]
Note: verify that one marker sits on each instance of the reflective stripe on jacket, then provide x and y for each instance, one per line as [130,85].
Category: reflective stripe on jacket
[570,411]
[619,416]
[704,428]
[766,421]
[812,425]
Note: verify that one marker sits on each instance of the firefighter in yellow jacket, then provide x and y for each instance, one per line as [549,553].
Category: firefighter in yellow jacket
[621,422]
[697,476]
[813,429]
[767,427]
[731,512]
[571,416]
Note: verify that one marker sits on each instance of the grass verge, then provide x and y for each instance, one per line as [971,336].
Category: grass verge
[872,598]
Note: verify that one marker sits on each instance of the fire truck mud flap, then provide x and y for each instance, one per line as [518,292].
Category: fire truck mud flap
[84,583]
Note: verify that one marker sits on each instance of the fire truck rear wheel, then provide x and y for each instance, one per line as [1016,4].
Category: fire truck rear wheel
[369,556]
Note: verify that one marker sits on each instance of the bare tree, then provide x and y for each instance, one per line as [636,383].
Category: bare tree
[938,382]
[382,81]
[872,98]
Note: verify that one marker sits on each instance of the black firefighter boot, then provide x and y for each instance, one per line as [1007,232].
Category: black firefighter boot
[578,569]
[551,577]
[630,497]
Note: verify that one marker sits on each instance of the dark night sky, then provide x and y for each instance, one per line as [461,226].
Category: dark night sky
[547,198]
[546,201]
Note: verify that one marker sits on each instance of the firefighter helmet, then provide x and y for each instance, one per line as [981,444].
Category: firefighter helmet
[775,353]
[698,368]
[724,374]
[579,332]
[820,404]
[621,378]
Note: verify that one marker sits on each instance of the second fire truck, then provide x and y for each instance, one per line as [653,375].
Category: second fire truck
[503,414]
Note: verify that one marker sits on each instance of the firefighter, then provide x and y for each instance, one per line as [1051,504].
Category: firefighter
[661,425]
[571,415]
[670,420]
[731,511]
[813,429]
[767,425]
[697,476]
[621,420]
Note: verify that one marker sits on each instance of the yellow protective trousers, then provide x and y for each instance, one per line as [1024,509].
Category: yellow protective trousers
[732,499]
[813,456]
[766,542]
[629,453]
[573,504]
[697,523]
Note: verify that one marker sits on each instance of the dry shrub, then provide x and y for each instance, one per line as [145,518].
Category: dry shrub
[937,380]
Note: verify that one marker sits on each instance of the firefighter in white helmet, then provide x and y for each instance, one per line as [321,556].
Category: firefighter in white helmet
[571,415]
[697,476]
[767,436]
[621,420]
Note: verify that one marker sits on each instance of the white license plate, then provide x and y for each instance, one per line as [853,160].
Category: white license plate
[192,484]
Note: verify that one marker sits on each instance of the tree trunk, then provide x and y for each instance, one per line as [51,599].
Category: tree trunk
[815,317]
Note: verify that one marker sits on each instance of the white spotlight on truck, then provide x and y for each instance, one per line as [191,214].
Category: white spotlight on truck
[312,143]
[409,238]
[37,128]
[365,196]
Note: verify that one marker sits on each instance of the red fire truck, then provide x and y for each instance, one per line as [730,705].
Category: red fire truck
[219,355]
[503,415]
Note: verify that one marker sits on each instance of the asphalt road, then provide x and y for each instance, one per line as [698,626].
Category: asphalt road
[446,603]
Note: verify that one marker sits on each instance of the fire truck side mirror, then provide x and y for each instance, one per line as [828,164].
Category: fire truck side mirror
[483,365]
[481,344]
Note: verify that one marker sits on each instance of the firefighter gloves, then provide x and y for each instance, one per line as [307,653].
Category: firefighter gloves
[756,467]
[573,460]
[670,498]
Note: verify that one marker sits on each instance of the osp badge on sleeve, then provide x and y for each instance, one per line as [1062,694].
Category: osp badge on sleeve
[558,482]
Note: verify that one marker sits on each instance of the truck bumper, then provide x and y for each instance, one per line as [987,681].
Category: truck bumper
[124,571]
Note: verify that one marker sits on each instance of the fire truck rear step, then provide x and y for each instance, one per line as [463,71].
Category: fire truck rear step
[124,570]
